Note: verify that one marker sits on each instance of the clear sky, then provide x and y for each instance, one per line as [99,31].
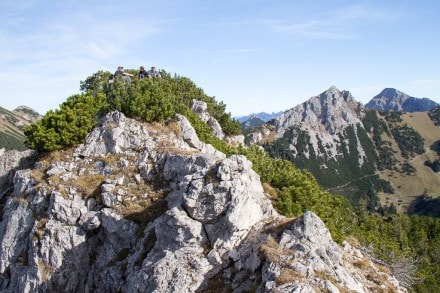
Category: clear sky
[253,55]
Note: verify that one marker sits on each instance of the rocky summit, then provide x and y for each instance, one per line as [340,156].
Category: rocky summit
[392,99]
[150,208]
[324,118]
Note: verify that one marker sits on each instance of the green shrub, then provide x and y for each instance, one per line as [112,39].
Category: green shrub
[147,99]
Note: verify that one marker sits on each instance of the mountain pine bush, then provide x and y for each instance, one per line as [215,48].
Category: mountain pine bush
[147,99]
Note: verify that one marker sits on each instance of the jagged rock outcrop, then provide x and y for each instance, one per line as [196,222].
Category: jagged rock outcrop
[10,161]
[206,205]
[392,99]
[201,109]
[323,119]
[151,208]
[305,259]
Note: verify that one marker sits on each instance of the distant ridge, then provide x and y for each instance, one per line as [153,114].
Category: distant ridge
[371,156]
[12,124]
[392,99]
[261,115]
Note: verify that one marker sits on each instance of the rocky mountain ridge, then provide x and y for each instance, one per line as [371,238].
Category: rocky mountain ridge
[12,124]
[356,151]
[395,100]
[323,118]
[260,115]
[150,208]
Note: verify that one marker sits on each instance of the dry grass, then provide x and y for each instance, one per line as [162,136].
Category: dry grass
[45,269]
[363,263]
[111,159]
[56,156]
[173,126]
[280,226]
[164,128]
[270,190]
[270,250]
[40,229]
[89,185]
[353,241]
[38,175]
[406,187]
[142,215]
[324,276]
[22,200]
[288,275]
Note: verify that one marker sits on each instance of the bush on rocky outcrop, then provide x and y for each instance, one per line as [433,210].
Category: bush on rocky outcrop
[147,100]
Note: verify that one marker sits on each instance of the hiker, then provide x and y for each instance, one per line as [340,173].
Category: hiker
[153,73]
[123,75]
[142,73]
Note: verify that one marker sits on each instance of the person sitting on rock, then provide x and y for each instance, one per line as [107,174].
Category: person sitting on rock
[153,73]
[142,73]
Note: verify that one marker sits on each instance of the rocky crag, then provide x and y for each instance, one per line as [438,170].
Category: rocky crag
[355,151]
[150,208]
[317,131]
[392,99]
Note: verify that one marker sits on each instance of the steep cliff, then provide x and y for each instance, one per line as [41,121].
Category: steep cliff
[150,208]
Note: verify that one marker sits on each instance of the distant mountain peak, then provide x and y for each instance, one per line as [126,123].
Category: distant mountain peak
[332,110]
[392,99]
[260,115]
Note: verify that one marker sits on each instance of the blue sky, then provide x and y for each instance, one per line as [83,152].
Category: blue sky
[252,55]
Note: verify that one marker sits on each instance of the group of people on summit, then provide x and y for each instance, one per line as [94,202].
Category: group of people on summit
[152,73]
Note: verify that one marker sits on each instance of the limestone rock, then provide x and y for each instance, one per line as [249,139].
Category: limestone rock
[10,161]
[308,258]
[200,108]
[151,208]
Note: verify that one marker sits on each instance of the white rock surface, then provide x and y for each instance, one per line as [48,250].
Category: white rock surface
[144,208]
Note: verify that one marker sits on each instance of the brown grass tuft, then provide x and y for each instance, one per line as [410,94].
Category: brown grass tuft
[89,185]
[270,190]
[269,250]
[362,264]
[287,276]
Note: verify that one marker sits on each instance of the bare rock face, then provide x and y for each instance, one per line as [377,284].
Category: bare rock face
[10,161]
[151,208]
[200,108]
[306,259]
[177,235]
[323,119]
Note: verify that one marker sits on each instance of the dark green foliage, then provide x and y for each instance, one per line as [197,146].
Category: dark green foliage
[67,126]
[10,142]
[434,165]
[298,191]
[424,205]
[408,168]
[343,174]
[434,114]
[95,82]
[405,236]
[146,99]
[377,127]
[410,142]
[392,116]
[436,147]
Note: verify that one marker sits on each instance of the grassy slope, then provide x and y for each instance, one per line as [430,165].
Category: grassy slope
[12,134]
[409,186]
